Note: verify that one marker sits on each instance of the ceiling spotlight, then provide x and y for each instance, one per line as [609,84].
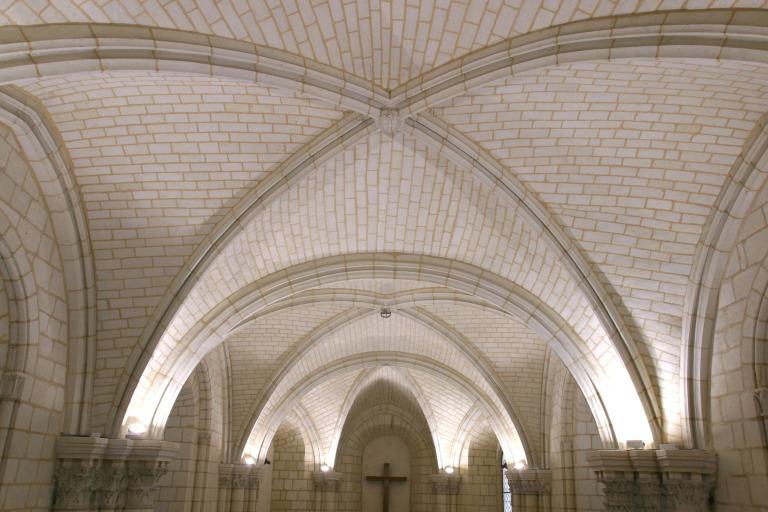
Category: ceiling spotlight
[249,460]
[449,470]
[385,312]
[325,468]
[519,465]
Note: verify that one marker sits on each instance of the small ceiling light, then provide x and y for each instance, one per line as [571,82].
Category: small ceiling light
[504,465]
[520,465]
[449,470]
[137,429]
[249,460]
[325,468]
[385,312]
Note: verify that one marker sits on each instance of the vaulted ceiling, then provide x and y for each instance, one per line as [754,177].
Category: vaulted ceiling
[556,205]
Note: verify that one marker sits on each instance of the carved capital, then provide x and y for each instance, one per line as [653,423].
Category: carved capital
[239,476]
[74,486]
[245,481]
[445,484]
[620,495]
[110,490]
[142,482]
[648,494]
[688,493]
[109,474]
[530,481]
[327,481]
[655,480]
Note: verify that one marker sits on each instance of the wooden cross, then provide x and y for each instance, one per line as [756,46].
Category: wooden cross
[386,479]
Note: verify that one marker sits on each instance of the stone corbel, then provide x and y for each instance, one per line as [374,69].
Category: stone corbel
[531,489]
[94,473]
[74,485]
[655,480]
[327,480]
[238,487]
[79,473]
[443,483]
[688,479]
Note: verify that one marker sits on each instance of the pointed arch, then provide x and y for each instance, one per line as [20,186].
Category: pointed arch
[748,175]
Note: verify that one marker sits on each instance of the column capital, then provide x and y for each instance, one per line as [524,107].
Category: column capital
[530,481]
[655,480]
[95,472]
[327,480]
[443,483]
[239,476]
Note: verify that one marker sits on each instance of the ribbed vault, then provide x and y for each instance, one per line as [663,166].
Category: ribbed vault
[258,181]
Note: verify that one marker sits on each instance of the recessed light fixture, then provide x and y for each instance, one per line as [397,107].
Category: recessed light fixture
[325,468]
[449,470]
[385,312]
[137,429]
[249,460]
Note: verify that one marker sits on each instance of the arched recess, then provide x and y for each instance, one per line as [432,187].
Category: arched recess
[479,464]
[364,381]
[383,396]
[606,387]
[49,160]
[718,240]
[387,409]
[292,464]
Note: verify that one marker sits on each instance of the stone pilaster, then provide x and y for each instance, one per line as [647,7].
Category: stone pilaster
[109,474]
[655,480]
[202,468]
[531,489]
[445,489]
[326,487]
